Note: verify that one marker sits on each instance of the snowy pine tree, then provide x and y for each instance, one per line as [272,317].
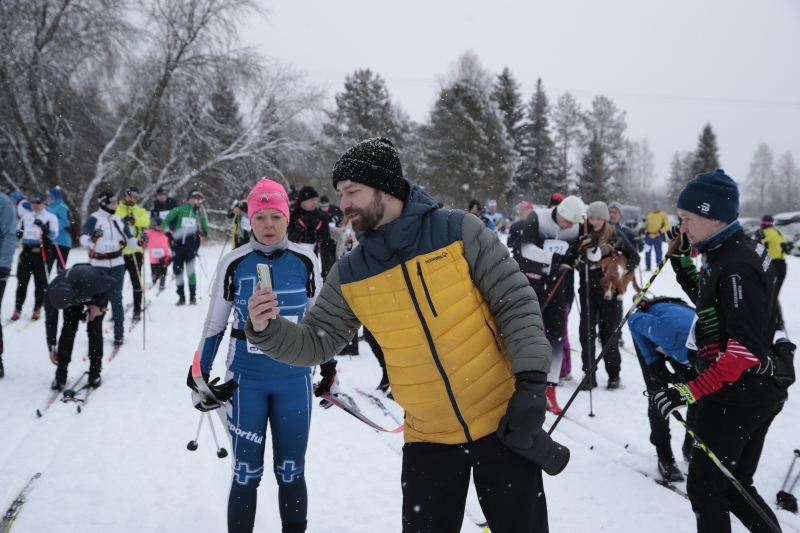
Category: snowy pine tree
[468,153]
[507,95]
[605,150]
[680,172]
[785,189]
[566,117]
[761,178]
[537,173]
[706,157]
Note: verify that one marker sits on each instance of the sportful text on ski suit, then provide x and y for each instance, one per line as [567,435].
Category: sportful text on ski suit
[106,254]
[268,391]
[185,222]
[541,238]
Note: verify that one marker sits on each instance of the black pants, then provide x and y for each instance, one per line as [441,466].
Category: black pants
[435,482]
[659,426]
[780,270]
[134,270]
[72,319]
[3,281]
[736,436]
[159,271]
[52,256]
[606,310]
[553,318]
[30,262]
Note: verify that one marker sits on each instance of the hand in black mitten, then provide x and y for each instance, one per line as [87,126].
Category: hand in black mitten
[673,232]
[660,373]
[521,427]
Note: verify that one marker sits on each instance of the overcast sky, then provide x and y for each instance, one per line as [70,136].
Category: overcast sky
[672,65]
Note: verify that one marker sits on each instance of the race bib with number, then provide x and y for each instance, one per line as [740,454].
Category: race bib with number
[555,246]
[163,214]
[107,247]
[189,223]
[158,253]
[31,234]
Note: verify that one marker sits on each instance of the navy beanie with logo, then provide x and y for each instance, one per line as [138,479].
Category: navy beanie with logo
[711,195]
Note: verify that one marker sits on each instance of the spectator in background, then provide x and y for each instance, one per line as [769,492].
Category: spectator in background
[61,246]
[16,199]
[475,209]
[497,218]
[8,243]
[776,244]
[524,209]
[163,204]
[309,227]
[241,222]
[333,212]
[655,225]
[555,199]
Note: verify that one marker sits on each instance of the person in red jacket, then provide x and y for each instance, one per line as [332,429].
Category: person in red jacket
[159,252]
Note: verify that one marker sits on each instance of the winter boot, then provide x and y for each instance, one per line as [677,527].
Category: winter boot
[59,381]
[137,316]
[669,471]
[94,380]
[192,299]
[16,315]
[35,315]
[613,383]
[591,383]
[2,370]
[552,403]
[118,340]
[293,527]
[181,300]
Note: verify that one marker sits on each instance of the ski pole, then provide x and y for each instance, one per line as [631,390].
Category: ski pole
[555,288]
[44,259]
[60,257]
[590,343]
[221,452]
[614,336]
[727,473]
[192,446]
[789,473]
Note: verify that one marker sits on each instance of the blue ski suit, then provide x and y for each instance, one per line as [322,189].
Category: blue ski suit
[269,393]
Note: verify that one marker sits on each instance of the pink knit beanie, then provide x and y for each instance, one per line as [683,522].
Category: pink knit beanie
[267,194]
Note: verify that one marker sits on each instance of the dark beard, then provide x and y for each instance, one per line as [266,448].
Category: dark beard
[370,216]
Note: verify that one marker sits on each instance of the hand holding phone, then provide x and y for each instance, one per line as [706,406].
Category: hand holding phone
[264,277]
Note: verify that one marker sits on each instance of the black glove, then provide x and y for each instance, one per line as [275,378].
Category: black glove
[684,248]
[667,400]
[660,373]
[42,225]
[97,234]
[786,247]
[19,234]
[223,393]
[585,241]
[130,219]
[673,232]
[329,384]
[521,427]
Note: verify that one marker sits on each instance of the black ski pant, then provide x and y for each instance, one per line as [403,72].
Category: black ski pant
[30,262]
[435,482]
[606,311]
[780,270]
[159,271]
[133,266]
[53,256]
[659,426]
[94,328]
[3,281]
[735,433]
[553,319]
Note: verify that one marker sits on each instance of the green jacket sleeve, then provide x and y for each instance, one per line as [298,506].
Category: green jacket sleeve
[322,333]
[511,298]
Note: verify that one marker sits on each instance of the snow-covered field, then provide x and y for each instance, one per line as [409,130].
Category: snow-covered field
[122,464]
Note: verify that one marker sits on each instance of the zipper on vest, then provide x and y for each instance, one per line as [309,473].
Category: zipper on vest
[434,354]
[425,288]
[494,336]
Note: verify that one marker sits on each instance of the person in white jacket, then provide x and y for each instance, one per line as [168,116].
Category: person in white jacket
[106,235]
[37,228]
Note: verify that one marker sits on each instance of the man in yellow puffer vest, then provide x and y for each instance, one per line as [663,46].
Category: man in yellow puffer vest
[776,244]
[137,219]
[462,338]
[656,223]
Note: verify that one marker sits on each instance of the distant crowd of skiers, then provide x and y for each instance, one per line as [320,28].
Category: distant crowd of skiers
[472,344]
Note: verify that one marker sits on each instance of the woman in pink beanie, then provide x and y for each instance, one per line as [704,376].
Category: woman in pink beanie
[269,394]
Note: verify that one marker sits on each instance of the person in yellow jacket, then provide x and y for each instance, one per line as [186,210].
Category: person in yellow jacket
[462,336]
[655,225]
[137,220]
[776,244]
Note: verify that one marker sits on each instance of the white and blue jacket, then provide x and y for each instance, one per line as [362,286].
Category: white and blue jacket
[31,232]
[296,281]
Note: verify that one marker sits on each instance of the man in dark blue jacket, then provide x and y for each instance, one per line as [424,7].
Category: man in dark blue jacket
[8,242]
[660,330]
[82,292]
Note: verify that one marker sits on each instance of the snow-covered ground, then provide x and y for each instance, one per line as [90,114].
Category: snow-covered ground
[122,464]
